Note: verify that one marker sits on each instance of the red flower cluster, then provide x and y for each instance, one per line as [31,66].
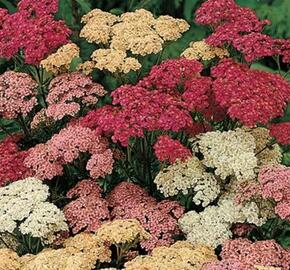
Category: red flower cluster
[169,150]
[140,110]
[250,96]
[12,161]
[89,210]
[33,29]
[281,132]
[46,160]
[275,184]
[159,219]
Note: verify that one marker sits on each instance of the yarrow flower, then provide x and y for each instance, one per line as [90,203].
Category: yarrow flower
[281,132]
[230,152]
[46,160]
[59,62]
[88,210]
[250,255]
[12,161]
[188,177]
[200,50]
[69,92]
[17,94]
[167,149]
[181,255]
[24,205]
[212,226]
[275,184]
[138,32]
[129,201]
[32,29]
[250,96]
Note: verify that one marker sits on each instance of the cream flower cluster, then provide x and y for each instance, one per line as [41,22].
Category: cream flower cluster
[136,32]
[122,231]
[200,50]
[232,153]
[24,203]
[59,62]
[265,154]
[212,226]
[188,176]
[180,256]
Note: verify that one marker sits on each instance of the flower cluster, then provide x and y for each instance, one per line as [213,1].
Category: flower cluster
[32,29]
[281,132]
[23,205]
[88,210]
[275,184]
[242,254]
[200,50]
[250,96]
[188,177]
[46,160]
[212,226]
[80,252]
[230,152]
[122,231]
[167,149]
[59,62]
[181,255]
[12,161]
[17,94]
[138,32]
[129,201]
[68,92]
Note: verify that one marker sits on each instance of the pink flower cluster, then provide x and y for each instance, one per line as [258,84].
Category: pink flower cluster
[68,92]
[169,150]
[242,254]
[88,210]
[17,94]
[250,96]
[275,184]
[12,161]
[128,200]
[281,132]
[32,29]
[46,160]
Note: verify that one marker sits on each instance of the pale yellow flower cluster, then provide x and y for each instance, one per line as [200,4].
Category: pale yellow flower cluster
[266,155]
[81,252]
[183,176]
[59,62]
[23,205]
[41,118]
[200,50]
[136,32]
[232,153]
[212,226]
[9,260]
[122,231]
[180,256]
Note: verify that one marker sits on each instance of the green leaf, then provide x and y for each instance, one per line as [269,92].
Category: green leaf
[286,159]
[65,12]
[84,5]
[117,11]
[11,8]
[188,9]
[74,63]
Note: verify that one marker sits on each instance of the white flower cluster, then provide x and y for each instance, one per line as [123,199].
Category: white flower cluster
[23,203]
[188,176]
[212,226]
[232,153]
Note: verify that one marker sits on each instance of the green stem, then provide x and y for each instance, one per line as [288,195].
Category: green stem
[23,125]
[5,244]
